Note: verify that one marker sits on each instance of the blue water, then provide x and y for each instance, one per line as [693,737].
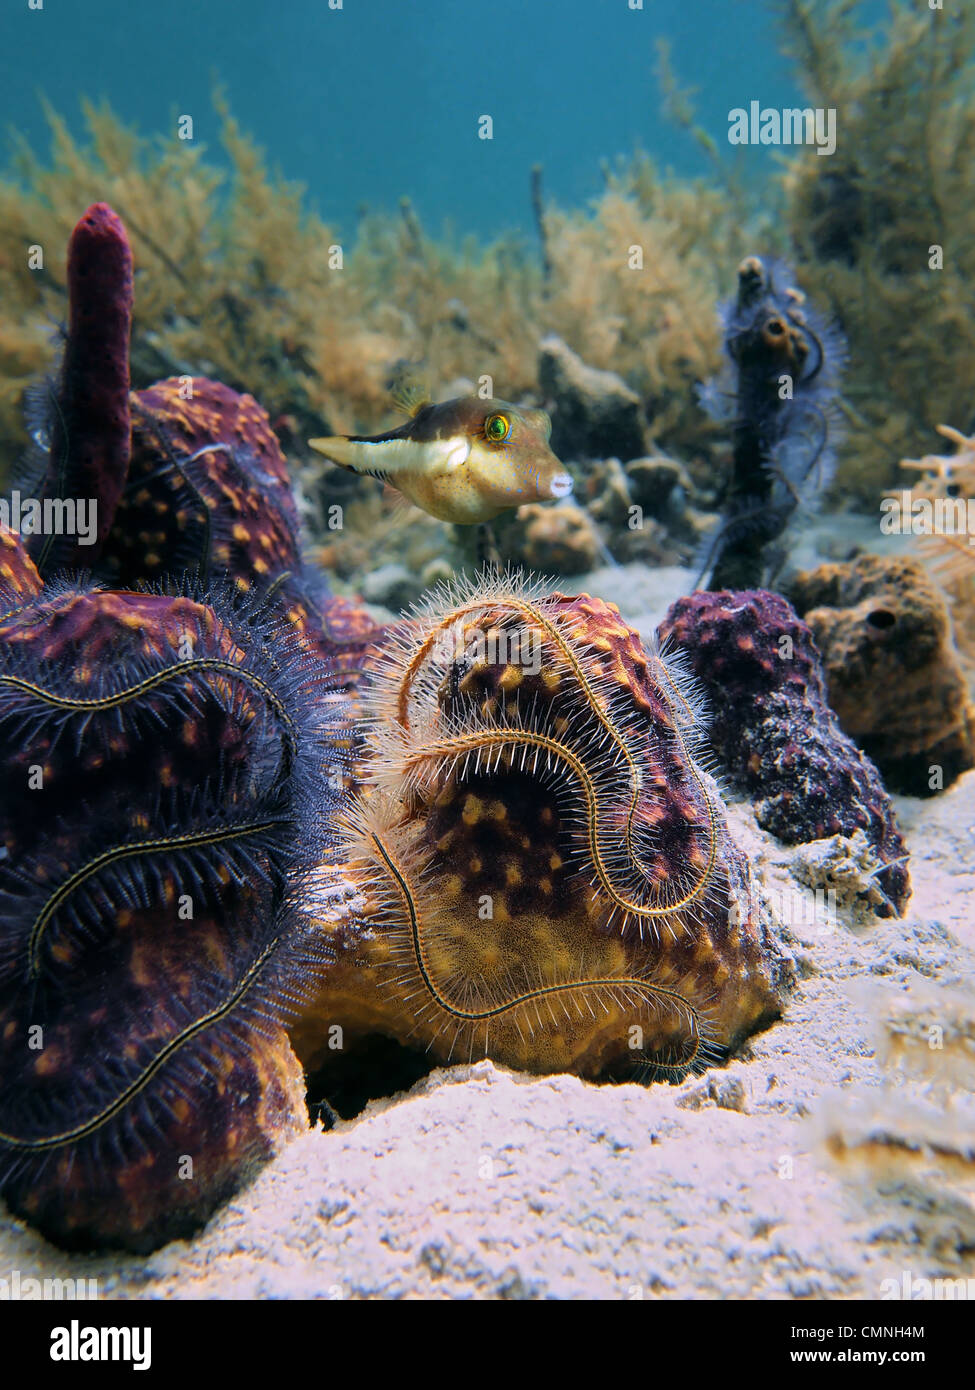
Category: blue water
[381,99]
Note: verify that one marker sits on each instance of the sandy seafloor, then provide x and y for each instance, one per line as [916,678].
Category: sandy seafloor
[485,1183]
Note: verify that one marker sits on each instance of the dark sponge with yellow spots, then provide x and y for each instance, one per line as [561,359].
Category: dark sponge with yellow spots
[775,732]
[172,750]
[207,491]
[208,496]
[166,775]
[548,877]
[19,579]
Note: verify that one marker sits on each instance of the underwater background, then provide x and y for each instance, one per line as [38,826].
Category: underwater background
[377,101]
[319,212]
[690,287]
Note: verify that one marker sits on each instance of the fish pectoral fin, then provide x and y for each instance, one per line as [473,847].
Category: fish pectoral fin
[410,397]
[457,452]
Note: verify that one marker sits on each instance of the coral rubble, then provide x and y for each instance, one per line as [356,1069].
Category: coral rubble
[561,540]
[948,481]
[911,1136]
[595,414]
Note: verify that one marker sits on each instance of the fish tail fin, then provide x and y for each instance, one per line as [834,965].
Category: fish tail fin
[338,450]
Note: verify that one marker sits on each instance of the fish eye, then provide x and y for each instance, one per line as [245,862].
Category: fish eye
[497,428]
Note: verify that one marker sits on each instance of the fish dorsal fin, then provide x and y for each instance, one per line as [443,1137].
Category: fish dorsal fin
[409,398]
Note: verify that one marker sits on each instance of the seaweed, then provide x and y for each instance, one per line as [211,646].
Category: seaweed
[881,231]
[230,270]
[240,280]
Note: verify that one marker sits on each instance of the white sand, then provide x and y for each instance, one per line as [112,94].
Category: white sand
[485,1183]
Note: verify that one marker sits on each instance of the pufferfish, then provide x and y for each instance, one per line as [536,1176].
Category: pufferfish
[465,461]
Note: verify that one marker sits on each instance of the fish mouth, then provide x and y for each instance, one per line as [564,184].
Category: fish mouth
[560,485]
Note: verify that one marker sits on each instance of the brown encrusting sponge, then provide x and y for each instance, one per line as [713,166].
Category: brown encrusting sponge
[893,674]
[549,879]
